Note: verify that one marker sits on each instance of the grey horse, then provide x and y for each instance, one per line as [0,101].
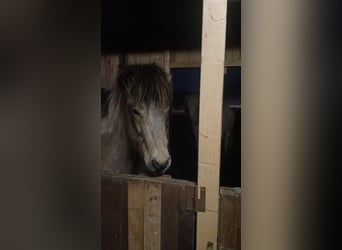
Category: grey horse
[135,127]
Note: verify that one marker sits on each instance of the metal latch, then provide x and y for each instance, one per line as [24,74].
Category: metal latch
[200,201]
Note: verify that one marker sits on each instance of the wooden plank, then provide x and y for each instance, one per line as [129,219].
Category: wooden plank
[190,198]
[146,57]
[171,212]
[166,59]
[169,215]
[232,58]
[160,179]
[192,58]
[103,74]
[111,68]
[238,221]
[181,65]
[152,216]
[230,221]
[136,194]
[114,214]
[167,65]
[167,62]
[187,218]
[211,94]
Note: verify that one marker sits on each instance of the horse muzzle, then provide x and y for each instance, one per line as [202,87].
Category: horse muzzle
[156,168]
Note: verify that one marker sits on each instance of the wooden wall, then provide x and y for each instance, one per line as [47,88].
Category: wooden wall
[192,58]
[160,214]
[110,63]
[165,59]
[109,69]
[229,231]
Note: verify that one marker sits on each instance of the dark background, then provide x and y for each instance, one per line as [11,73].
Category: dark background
[182,141]
[135,25]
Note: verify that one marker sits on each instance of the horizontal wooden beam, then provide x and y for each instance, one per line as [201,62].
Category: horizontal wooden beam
[192,58]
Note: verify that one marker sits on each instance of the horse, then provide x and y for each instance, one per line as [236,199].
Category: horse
[191,102]
[134,133]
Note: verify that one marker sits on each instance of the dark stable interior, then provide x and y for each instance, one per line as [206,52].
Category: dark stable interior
[182,141]
[146,26]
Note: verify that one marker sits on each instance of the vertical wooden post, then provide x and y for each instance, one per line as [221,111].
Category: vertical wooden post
[136,201]
[152,216]
[211,94]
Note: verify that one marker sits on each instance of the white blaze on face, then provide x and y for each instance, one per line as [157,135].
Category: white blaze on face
[155,136]
[151,126]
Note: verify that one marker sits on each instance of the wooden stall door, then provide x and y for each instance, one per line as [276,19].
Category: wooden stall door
[147,213]
[159,214]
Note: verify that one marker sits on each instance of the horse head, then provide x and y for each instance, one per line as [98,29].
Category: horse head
[147,98]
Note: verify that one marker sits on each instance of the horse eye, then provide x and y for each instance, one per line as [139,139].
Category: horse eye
[136,112]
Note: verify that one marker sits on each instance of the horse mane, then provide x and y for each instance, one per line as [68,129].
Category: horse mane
[145,83]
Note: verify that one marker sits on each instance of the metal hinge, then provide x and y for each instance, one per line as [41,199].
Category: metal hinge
[200,201]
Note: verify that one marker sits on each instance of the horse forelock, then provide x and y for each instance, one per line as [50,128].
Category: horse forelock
[145,83]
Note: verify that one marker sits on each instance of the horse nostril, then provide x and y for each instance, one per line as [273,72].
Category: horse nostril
[156,165]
